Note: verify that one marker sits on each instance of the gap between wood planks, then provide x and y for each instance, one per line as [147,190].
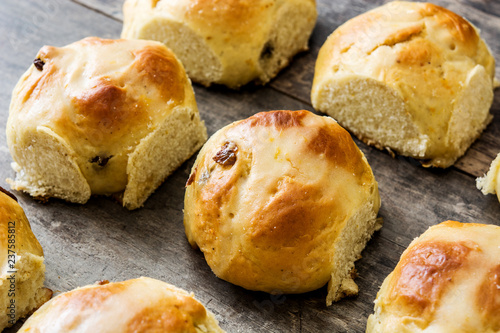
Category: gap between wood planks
[464,172]
[301,304]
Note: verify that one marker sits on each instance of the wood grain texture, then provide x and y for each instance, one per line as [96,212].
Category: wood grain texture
[101,240]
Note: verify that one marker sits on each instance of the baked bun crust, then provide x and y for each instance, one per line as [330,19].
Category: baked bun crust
[282,202]
[102,117]
[230,42]
[139,305]
[412,77]
[21,264]
[448,280]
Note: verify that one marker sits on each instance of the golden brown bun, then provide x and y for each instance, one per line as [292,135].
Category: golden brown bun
[282,202]
[230,42]
[412,77]
[447,280]
[141,305]
[21,264]
[102,117]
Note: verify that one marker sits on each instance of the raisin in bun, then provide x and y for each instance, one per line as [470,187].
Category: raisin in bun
[230,42]
[21,264]
[447,280]
[141,305]
[411,77]
[102,117]
[282,202]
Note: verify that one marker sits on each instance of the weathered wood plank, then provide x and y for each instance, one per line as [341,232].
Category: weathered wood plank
[414,198]
[487,6]
[101,240]
[109,7]
[351,314]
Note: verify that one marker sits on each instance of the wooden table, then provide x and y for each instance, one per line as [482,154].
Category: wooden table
[101,240]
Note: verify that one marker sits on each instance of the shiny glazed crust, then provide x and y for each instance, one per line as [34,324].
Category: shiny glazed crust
[412,77]
[86,120]
[139,305]
[453,268]
[230,42]
[281,202]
